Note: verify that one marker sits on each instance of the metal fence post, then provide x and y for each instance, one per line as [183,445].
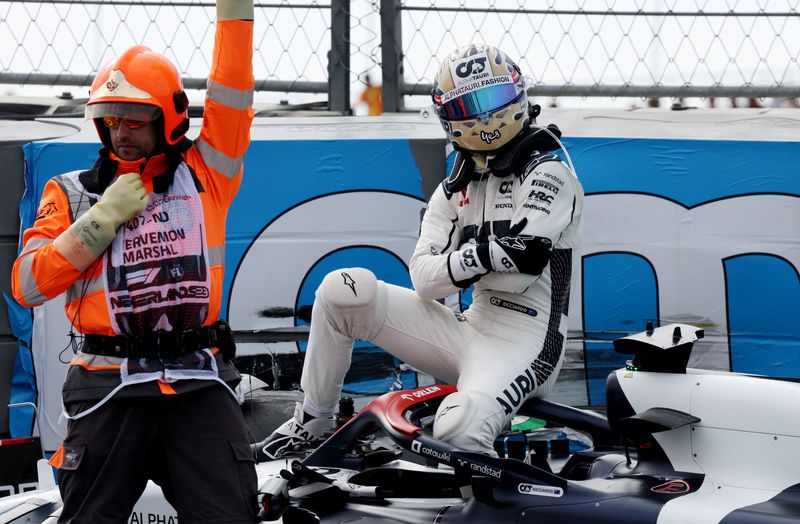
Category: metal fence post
[339,57]
[391,56]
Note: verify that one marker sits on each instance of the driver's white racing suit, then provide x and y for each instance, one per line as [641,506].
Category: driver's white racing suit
[508,346]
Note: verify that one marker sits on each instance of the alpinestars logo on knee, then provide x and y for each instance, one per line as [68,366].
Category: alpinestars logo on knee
[348,281]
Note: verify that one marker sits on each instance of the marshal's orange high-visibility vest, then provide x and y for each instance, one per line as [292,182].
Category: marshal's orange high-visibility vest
[212,165]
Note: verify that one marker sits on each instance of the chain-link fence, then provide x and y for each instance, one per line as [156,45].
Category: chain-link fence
[636,48]
[308,50]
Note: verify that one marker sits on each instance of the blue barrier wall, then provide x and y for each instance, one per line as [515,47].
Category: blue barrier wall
[703,231]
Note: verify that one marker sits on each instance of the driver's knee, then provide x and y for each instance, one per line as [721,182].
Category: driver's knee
[469,420]
[353,287]
[353,302]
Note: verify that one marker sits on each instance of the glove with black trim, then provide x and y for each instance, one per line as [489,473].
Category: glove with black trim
[512,253]
[465,267]
[515,253]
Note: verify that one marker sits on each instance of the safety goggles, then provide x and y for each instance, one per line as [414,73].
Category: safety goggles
[481,101]
[130,121]
[133,116]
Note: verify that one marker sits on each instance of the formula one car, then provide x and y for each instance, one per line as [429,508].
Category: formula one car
[677,446]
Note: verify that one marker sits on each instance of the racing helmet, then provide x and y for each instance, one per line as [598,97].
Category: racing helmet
[479,96]
[145,84]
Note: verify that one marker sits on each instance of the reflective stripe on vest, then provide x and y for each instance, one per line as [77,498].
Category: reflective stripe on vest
[80,201]
[218,160]
[228,96]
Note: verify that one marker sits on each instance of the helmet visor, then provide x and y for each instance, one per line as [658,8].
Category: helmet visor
[480,101]
[123,110]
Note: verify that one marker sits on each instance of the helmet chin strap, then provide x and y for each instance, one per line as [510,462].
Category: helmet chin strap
[482,159]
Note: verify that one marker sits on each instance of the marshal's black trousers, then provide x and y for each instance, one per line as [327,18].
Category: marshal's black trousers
[194,445]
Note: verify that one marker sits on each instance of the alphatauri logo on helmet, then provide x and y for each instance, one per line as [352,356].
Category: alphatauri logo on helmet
[473,66]
[469,69]
[111,85]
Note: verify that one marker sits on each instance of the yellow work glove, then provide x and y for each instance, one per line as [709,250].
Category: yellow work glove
[91,234]
[234,9]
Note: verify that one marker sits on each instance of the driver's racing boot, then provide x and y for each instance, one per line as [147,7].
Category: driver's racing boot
[299,431]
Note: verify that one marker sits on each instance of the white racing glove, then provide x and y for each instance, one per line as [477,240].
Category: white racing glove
[512,253]
[515,253]
[91,234]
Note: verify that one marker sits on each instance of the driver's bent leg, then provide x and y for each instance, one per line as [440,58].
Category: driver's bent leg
[345,308]
[469,420]
[352,304]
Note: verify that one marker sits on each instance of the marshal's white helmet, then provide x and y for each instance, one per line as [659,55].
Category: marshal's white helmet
[479,96]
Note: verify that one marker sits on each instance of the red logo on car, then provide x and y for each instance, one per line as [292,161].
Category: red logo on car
[672,487]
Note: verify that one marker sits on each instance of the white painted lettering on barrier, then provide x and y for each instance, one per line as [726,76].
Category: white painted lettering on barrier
[687,247]
[10,489]
[151,518]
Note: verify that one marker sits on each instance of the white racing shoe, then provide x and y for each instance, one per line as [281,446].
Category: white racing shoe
[291,435]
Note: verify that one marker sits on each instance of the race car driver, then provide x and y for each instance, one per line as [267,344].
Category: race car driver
[137,244]
[508,220]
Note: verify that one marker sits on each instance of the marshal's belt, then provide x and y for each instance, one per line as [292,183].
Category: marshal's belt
[163,344]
